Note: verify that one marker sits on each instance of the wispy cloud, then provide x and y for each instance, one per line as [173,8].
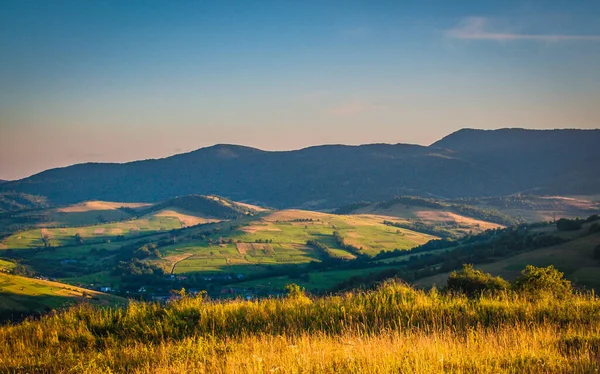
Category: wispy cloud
[478,28]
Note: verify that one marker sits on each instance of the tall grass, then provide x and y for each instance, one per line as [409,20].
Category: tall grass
[392,329]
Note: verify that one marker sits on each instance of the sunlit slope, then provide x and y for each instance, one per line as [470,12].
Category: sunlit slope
[281,238]
[533,208]
[91,234]
[24,295]
[246,245]
[575,258]
[432,215]
[100,221]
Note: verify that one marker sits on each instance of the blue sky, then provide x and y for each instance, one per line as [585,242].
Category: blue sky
[124,80]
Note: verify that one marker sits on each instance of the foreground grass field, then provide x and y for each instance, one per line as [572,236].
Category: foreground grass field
[394,329]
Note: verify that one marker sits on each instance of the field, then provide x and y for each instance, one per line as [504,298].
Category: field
[254,243]
[542,208]
[394,329]
[460,224]
[314,281]
[6,265]
[574,258]
[193,243]
[280,238]
[26,295]
[34,238]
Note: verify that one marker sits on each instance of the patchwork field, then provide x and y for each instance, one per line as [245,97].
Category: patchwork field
[184,219]
[280,238]
[542,208]
[457,223]
[186,240]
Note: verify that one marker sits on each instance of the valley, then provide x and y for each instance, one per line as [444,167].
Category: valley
[231,249]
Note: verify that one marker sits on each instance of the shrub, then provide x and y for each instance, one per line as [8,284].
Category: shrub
[473,282]
[597,252]
[542,281]
[295,291]
[564,224]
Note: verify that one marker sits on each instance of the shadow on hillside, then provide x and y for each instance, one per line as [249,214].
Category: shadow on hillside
[16,308]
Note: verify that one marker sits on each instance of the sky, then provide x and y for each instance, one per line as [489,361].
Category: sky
[122,80]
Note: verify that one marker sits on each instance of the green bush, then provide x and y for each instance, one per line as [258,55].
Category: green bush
[597,252]
[295,291]
[473,282]
[543,281]
[564,224]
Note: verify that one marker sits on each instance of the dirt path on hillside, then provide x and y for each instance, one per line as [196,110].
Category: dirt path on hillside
[178,259]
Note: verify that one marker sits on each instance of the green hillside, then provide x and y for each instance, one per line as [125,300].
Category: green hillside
[22,295]
[575,257]
[184,237]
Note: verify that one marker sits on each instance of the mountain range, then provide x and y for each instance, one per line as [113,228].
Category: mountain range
[468,162]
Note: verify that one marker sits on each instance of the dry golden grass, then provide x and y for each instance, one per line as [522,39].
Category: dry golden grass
[262,226]
[428,216]
[292,214]
[88,206]
[394,329]
[242,248]
[253,207]
[185,219]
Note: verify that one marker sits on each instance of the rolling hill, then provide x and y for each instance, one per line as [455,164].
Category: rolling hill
[210,207]
[468,163]
[226,237]
[21,296]
[13,201]
[574,257]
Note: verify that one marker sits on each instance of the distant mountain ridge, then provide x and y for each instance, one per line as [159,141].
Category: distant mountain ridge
[465,163]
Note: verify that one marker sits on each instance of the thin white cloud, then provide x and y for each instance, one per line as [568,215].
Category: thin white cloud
[477,28]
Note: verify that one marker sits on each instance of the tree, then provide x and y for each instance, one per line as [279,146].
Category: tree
[597,252]
[78,238]
[473,282]
[543,281]
[564,224]
[142,252]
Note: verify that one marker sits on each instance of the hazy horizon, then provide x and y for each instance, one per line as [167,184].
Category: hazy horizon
[113,81]
[289,149]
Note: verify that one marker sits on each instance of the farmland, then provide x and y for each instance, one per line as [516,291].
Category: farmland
[191,240]
[26,295]
[206,242]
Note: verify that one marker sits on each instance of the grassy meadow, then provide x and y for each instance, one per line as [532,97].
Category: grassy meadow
[94,234]
[280,238]
[25,295]
[247,245]
[393,329]
[575,258]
